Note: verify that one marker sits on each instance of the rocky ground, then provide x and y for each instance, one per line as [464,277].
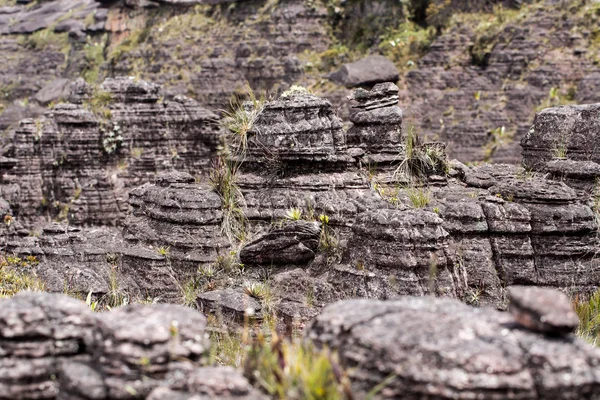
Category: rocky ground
[343,239]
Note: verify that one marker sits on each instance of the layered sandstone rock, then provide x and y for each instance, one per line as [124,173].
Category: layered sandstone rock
[466,235]
[442,349]
[55,347]
[79,161]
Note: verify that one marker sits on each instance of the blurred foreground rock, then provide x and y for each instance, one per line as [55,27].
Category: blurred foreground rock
[424,347]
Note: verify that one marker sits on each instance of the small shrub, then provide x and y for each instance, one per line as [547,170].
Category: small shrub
[294,214]
[295,370]
[240,119]
[418,196]
[112,139]
[589,318]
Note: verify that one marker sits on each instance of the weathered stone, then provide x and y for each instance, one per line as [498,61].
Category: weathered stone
[232,303]
[293,244]
[542,310]
[443,349]
[366,71]
[38,331]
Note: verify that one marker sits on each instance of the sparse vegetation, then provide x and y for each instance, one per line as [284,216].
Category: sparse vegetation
[16,275]
[589,318]
[420,160]
[222,178]
[295,370]
[294,90]
[418,196]
[94,57]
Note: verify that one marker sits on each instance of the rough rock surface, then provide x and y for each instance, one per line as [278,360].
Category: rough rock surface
[443,349]
[366,71]
[54,347]
[479,230]
[470,78]
[542,310]
[79,161]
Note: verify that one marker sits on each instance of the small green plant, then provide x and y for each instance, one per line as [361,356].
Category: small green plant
[295,90]
[294,214]
[257,290]
[163,250]
[589,317]
[240,119]
[418,196]
[295,370]
[420,160]
[92,304]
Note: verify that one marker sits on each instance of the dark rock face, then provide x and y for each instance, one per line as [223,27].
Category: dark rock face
[37,332]
[376,133]
[54,347]
[443,349]
[79,161]
[478,230]
[367,71]
[564,141]
[294,244]
[542,310]
[299,130]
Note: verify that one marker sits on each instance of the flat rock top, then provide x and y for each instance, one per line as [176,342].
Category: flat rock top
[542,309]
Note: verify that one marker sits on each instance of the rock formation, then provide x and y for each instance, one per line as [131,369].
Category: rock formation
[320,206]
[79,161]
[423,347]
[466,69]
[54,347]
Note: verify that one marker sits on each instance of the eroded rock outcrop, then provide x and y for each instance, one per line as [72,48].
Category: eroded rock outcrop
[443,349]
[55,347]
[79,161]
[457,231]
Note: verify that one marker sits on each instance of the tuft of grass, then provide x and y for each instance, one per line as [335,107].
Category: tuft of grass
[16,276]
[294,214]
[222,178]
[240,119]
[419,197]
[420,160]
[329,243]
[189,292]
[589,318]
[291,369]
[257,290]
